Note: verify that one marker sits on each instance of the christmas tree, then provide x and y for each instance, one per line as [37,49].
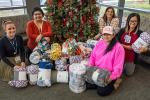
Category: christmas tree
[78,18]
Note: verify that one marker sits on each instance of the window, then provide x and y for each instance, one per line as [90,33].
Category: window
[138,4]
[108,2]
[42,2]
[12,7]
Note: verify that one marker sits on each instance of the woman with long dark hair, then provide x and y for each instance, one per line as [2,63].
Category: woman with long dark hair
[37,29]
[127,36]
[108,19]
[108,54]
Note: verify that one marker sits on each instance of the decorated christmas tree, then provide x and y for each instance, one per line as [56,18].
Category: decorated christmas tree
[78,18]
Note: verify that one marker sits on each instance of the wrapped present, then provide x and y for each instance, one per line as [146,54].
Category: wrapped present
[35,56]
[61,64]
[76,78]
[97,76]
[44,75]
[69,47]
[20,78]
[43,44]
[142,41]
[85,50]
[32,71]
[75,59]
[55,52]
[59,76]
[91,43]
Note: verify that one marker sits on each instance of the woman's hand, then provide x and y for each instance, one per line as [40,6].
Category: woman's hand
[143,49]
[108,80]
[97,36]
[23,64]
[127,46]
[39,37]
[47,39]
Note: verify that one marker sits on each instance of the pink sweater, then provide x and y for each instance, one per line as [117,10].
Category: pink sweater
[113,61]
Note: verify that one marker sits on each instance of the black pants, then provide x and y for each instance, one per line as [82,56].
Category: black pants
[28,52]
[102,91]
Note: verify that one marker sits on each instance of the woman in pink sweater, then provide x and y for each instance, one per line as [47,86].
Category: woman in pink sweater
[108,54]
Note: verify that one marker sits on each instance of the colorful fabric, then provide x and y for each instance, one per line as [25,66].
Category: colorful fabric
[75,59]
[69,47]
[32,71]
[85,50]
[91,43]
[20,79]
[35,56]
[61,64]
[18,84]
[43,45]
[55,52]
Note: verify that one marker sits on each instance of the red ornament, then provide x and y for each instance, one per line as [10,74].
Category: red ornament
[65,20]
[91,20]
[60,3]
[49,2]
[71,14]
[84,19]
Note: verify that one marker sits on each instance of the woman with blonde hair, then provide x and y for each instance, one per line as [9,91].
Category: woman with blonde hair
[12,51]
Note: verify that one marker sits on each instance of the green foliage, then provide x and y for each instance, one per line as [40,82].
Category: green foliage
[73,17]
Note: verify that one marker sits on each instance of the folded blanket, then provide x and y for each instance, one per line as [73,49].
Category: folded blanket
[142,41]
[97,76]
[20,79]
[44,75]
[32,71]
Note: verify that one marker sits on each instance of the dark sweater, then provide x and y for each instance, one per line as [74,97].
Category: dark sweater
[7,49]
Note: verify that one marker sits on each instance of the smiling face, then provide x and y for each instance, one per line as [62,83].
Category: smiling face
[37,16]
[133,22]
[10,30]
[109,13]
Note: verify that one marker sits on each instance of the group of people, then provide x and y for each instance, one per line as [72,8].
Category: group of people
[113,52]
